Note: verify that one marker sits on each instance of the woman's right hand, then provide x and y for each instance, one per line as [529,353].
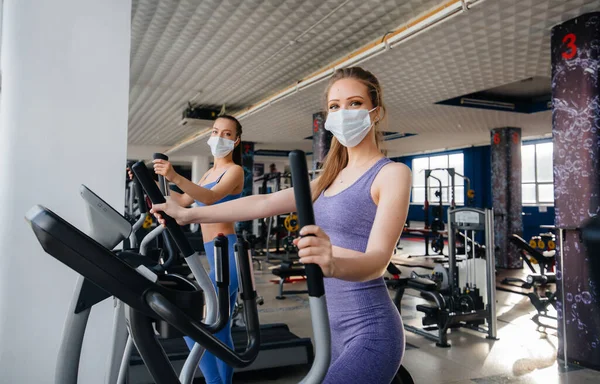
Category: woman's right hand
[171,208]
[165,168]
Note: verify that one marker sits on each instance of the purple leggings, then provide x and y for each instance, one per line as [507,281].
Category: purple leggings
[367,341]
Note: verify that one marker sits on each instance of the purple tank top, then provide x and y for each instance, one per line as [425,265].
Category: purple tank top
[347,218]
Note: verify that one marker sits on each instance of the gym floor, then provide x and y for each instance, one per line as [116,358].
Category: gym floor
[521,355]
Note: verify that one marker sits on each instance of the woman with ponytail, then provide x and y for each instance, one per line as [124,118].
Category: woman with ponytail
[223,182]
[360,202]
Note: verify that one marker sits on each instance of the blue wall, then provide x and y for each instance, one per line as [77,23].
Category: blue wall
[534,218]
[477,168]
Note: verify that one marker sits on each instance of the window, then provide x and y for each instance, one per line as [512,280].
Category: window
[537,174]
[419,165]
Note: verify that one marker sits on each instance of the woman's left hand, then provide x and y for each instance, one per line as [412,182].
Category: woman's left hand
[315,248]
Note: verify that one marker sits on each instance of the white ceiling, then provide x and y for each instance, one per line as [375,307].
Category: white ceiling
[237,52]
[495,43]
[179,49]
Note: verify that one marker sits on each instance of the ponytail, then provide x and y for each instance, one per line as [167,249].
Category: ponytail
[237,154]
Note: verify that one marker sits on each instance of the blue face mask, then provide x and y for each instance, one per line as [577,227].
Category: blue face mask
[349,126]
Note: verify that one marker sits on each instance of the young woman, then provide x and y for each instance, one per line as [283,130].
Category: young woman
[223,182]
[360,202]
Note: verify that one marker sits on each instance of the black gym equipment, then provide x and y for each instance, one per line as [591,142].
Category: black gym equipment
[285,274]
[437,225]
[289,268]
[538,281]
[171,305]
[453,305]
[434,230]
[150,301]
[269,226]
[135,206]
[279,348]
[146,294]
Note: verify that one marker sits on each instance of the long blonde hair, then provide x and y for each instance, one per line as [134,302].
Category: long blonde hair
[337,157]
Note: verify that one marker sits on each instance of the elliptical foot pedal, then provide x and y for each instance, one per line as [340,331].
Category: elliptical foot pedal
[429,310]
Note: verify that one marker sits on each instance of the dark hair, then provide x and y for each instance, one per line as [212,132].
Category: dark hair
[237,151]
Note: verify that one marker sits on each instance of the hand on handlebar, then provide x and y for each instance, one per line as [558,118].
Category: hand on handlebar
[316,249]
[164,168]
[171,208]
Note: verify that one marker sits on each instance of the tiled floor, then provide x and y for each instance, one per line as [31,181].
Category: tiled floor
[521,355]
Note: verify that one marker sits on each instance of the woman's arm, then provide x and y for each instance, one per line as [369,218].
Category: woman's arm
[228,183]
[393,186]
[244,209]
[231,180]
[181,199]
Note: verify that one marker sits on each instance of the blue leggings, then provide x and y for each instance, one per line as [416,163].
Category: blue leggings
[216,371]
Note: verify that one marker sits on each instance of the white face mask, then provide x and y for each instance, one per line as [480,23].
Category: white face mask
[220,147]
[349,126]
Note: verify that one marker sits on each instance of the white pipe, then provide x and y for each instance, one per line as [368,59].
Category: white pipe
[290,44]
[453,9]
[189,142]
[424,24]
[315,79]
[446,13]
[283,94]
[366,55]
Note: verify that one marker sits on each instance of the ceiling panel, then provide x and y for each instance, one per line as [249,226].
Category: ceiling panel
[493,44]
[238,52]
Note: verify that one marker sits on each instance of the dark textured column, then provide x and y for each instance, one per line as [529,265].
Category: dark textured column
[248,165]
[575,48]
[321,140]
[506,194]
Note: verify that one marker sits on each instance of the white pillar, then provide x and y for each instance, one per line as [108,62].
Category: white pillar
[63,122]
[199,167]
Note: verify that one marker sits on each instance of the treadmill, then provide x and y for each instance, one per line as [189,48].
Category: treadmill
[148,301]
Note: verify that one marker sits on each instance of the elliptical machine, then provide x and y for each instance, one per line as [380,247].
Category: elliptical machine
[150,299]
[170,304]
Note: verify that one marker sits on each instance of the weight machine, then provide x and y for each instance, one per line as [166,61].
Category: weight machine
[460,295]
[270,182]
[543,294]
[435,228]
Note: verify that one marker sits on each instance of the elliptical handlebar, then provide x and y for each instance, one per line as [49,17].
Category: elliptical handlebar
[163,183]
[314,274]
[173,315]
[306,216]
[138,191]
[143,175]
[222,279]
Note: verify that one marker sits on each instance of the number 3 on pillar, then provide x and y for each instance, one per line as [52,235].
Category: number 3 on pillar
[569,40]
